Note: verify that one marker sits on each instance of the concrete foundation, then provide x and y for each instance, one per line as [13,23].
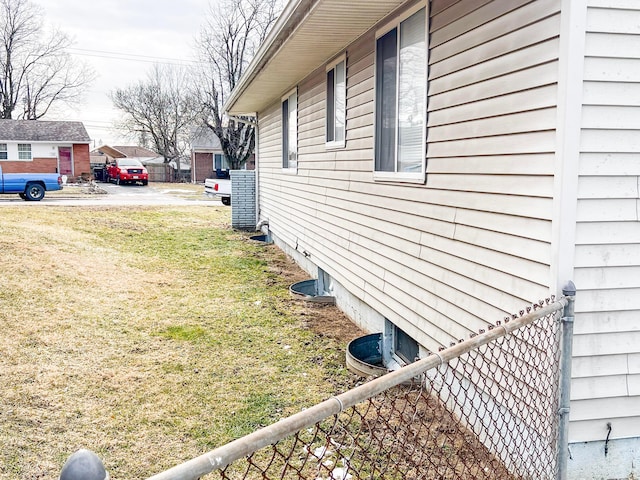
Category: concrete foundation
[587,461]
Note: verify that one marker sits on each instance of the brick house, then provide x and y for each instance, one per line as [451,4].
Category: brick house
[34,146]
[206,155]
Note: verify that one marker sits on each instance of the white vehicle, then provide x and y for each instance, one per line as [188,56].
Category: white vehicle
[219,187]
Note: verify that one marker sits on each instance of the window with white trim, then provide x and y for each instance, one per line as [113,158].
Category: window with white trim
[24,151]
[290,131]
[3,151]
[401,99]
[336,103]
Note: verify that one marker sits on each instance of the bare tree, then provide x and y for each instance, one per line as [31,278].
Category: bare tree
[161,108]
[230,38]
[36,72]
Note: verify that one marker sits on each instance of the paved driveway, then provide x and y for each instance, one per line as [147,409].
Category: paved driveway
[152,195]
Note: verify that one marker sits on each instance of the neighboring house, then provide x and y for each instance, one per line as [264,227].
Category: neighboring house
[35,146]
[442,164]
[207,156]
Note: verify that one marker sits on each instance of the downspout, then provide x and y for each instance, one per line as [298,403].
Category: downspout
[257,176]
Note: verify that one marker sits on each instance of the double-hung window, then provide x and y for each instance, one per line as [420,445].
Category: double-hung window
[336,103]
[290,131]
[24,151]
[400,99]
[3,151]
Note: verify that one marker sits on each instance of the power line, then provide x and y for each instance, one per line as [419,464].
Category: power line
[122,54]
[130,57]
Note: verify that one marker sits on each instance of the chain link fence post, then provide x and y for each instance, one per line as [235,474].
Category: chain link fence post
[569,291]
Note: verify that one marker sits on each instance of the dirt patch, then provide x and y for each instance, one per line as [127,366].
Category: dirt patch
[324,320]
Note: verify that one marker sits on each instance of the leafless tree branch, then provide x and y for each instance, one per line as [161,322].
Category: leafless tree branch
[232,34]
[162,108]
[36,72]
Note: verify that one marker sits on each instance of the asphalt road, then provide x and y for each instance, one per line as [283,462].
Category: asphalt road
[120,195]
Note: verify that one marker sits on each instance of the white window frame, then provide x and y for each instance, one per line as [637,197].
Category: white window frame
[395,176]
[336,112]
[24,153]
[4,151]
[289,132]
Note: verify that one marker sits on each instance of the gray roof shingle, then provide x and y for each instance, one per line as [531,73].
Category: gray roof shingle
[43,131]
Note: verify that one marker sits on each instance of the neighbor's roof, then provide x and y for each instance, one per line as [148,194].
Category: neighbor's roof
[307,34]
[203,138]
[134,151]
[128,151]
[43,131]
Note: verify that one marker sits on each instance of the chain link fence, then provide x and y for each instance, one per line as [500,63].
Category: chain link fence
[484,408]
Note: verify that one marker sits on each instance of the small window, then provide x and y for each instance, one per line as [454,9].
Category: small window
[400,99]
[336,103]
[220,162]
[3,151]
[24,151]
[290,131]
[404,346]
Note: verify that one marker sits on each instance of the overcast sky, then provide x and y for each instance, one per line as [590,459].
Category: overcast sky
[120,40]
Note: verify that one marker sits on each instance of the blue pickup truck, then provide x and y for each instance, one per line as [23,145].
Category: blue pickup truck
[30,186]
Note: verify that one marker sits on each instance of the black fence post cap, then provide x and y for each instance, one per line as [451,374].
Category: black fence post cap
[83,465]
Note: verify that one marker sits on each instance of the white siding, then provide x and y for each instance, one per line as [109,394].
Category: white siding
[443,259]
[607,261]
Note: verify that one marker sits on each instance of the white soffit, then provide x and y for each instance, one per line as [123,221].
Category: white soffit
[306,42]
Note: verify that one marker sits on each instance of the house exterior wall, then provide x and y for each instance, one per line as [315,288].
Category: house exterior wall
[606,367]
[45,158]
[442,259]
[81,160]
[202,166]
[477,240]
[37,165]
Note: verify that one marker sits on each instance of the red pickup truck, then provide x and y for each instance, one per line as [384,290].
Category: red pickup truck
[127,170]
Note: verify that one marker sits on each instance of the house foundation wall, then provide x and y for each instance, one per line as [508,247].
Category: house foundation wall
[613,460]
[358,311]
[37,165]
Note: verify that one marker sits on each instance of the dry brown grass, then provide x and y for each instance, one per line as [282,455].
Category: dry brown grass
[149,337]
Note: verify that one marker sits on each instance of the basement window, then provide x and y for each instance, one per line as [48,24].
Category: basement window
[404,346]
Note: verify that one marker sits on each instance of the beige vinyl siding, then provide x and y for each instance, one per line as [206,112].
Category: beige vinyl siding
[443,259]
[606,386]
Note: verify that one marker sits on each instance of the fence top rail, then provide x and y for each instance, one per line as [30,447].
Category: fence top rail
[226,454]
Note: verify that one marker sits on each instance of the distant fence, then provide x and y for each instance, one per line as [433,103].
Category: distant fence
[489,407]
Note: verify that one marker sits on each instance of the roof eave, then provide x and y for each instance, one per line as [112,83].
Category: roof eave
[319,28]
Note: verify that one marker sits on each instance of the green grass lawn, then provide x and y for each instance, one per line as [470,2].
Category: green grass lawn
[147,335]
